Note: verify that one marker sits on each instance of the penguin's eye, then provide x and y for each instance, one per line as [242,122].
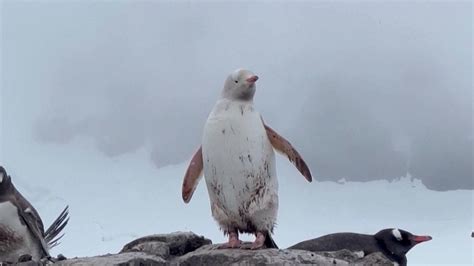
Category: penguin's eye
[236,81]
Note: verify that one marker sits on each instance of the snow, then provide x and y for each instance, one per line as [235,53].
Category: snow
[113,201]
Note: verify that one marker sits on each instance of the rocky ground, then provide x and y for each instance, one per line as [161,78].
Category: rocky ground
[186,248]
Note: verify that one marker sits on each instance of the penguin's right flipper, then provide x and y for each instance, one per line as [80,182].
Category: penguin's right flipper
[193,176]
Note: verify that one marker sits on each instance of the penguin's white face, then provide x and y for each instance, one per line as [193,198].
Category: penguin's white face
[240,85]
[1,178]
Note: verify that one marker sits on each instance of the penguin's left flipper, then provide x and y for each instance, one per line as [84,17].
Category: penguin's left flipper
[193,176]
[32,222]
[282,145]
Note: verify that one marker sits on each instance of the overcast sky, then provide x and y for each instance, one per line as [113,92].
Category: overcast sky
[364,90]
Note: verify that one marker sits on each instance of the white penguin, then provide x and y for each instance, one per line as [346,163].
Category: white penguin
[239,164]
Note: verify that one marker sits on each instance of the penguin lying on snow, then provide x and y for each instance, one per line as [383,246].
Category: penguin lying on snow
[21,228]
[393,243]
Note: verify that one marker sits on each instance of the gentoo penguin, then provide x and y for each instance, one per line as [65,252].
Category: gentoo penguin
[21,229]
[393,243]
[238,161]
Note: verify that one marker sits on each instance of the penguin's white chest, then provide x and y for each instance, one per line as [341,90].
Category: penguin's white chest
[10,220]
[239,161]
[15,237]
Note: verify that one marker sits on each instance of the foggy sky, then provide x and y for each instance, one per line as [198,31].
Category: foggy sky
[363,90]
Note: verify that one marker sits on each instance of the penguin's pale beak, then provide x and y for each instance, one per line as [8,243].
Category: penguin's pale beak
[419,239]
[252,79]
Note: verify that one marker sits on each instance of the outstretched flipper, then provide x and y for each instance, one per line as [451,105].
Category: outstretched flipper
[192,176]
[282,145]
[51,235]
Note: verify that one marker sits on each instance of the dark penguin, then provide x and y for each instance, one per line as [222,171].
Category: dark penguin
[21,228]
[393,243]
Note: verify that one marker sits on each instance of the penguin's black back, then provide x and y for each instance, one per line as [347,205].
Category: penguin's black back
[339,241]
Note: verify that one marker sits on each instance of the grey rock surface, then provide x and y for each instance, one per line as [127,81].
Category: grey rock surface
[186,248]
[211,255]
[374,259]
[344,254]
[167,245]
[129,259]
[26,263]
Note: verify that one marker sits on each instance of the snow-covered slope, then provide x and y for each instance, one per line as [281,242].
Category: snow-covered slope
[113,201]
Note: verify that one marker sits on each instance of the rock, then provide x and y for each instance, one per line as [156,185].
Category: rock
[156,248]
[25,258]
[129,259]
[27,263]
[186,248]
[376,258]
[210,255]
[344,254]
[166,245]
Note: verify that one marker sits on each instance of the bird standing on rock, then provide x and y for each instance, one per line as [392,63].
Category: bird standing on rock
[238,162]
[21,228]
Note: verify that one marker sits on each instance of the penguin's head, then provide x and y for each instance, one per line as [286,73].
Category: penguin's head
[399,242]
[240,85]
[5,181]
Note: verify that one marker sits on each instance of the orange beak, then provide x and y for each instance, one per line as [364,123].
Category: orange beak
[419,239]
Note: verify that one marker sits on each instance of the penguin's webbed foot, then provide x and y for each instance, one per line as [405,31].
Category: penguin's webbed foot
[259,242]
[234,241]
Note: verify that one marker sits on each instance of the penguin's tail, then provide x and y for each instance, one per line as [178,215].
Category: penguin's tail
[269,242]
[51,235]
